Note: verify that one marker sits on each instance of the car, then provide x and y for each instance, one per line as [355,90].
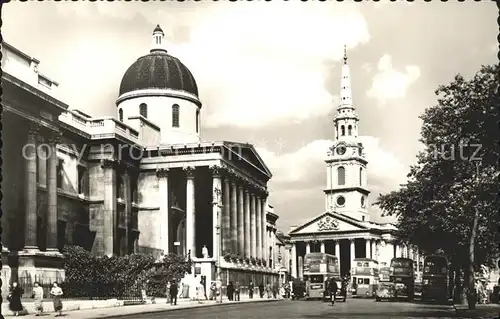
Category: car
[385,291]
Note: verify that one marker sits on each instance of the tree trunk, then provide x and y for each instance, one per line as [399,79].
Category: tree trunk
[457,285]
[471,297]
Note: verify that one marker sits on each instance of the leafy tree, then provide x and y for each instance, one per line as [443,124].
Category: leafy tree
[450,199]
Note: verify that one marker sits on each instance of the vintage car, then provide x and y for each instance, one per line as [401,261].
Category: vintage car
[385,291]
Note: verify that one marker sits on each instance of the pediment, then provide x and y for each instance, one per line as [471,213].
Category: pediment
[249,153]
[328,222]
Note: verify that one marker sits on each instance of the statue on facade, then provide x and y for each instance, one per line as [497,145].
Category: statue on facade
[204,251]
[328,224]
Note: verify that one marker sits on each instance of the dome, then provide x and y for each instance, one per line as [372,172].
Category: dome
[158,70]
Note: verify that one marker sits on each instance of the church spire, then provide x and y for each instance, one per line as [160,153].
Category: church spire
[157,44]
[345,85]
[345,54]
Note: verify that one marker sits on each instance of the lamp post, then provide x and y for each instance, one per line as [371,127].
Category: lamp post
[218,193]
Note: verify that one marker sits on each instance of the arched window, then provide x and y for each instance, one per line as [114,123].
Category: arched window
[349,130]
[341,175]
[360,176]
[342,129]
[175,115]
[143,110]
[120,115]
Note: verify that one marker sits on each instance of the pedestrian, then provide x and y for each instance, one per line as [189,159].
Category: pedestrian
[38,298]
[167,292]
[57,292]
[261,290]
[250,290]
[268,290]
[200,292]
[275,290]
[14,299]
[230,291]
[213,291]
[333,290]
[237,291]
[174,289]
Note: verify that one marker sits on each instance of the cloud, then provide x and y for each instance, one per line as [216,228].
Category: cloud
[390,84]
[265,63]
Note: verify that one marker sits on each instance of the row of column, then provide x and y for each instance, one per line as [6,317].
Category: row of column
[243,215]
[30,153]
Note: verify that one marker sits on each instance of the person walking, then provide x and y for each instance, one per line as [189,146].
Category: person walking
[261,290]
[14,299]
[167,292]
[237,291]
[268,290]
[275,290]
[57,292]
[213,291]
[38,298]
[333,290]
[230,291]
[250,290]
[174,289]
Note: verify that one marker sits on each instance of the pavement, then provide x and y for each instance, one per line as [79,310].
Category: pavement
[117,310]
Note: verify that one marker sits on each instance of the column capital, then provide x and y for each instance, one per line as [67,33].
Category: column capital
[189,171]
[216,170]
[55,137]
[162,173]
[34,128]
[109,163]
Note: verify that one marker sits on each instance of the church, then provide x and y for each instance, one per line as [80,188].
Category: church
[344,229]
[141,182]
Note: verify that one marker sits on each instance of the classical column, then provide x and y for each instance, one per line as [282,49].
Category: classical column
[308,247]
[253,235]
[241,221]
[337,249]
[216,194]
[226,216]
[294,261]
[367,248]
[258,224]
[263,226]
[322,247]
[398,251]
[30,189]
[353,252]
[128,210]
[190,211]
[373,249]
[234,217]
[248,250]
[109,214]
[51,219]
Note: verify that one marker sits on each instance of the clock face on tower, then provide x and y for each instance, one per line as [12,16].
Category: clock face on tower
[341,149]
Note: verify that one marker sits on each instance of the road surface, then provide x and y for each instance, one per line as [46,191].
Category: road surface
[353,308]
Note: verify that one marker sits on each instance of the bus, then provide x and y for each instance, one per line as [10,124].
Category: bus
[402,275]
[365,277]
[318,269]
[435,278]
[384,274]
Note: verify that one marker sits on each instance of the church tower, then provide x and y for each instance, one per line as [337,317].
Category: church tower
[346,191]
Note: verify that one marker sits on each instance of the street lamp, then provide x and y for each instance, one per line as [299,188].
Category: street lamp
[218,193]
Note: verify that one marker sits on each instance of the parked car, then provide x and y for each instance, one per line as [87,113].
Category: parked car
[385,291]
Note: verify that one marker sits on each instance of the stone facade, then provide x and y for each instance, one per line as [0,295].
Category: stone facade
[115,186]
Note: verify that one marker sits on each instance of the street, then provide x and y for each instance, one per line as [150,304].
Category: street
[353,308]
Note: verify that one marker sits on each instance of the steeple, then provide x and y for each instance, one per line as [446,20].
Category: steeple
[157,41]
[345,85]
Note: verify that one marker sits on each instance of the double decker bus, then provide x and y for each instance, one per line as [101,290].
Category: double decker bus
[403,277]
[435,278]
[318,269]
[365,277]
[384,274]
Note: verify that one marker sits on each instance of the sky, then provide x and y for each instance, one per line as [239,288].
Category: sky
[269,73]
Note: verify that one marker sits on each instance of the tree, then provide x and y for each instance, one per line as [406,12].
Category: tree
[450,199]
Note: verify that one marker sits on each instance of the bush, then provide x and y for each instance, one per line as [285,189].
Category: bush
[119,277]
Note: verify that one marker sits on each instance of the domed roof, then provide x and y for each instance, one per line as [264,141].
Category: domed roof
[158,70]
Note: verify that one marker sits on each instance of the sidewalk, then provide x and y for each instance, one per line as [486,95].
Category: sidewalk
[120,310]
[482,310]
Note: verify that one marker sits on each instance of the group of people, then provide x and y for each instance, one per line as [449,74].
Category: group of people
[16,292]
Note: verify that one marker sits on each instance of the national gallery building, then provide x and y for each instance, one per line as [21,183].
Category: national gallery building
[141,182]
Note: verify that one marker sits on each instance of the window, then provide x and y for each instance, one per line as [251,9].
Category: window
[360,176]
[366,281]
[175,115]
[120,115]
[143,110]
[60,173]
[359,264]
[81,180]
[362,218]
[349,130]
[340,201]
[342,129]
[197,121]
[341,175]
